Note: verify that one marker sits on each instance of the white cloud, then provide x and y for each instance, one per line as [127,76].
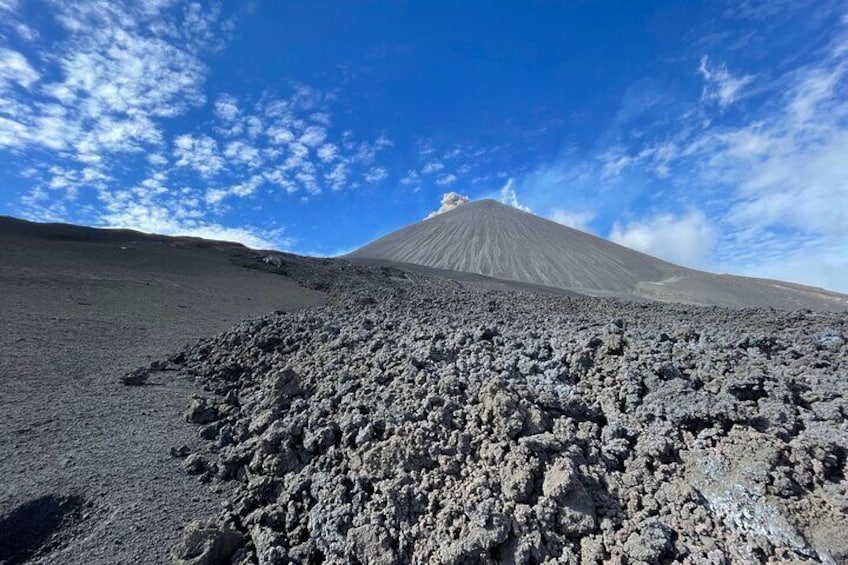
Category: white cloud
[243,152]
[579,220]
[376,174]
[99,104]
[509,196]
[12,20]
[794,185]
[69,179]
[243,189]
[280,134]
[198,152]
[721,86]
[450,200]
[156,220]
[253,126]
[337,177]
[822,264]
[298,158]
[614,164]
[14,68]
[281,179]
[814,90]
[247,187]
[310,153]
[686,240]
[116,81]
[770,184]
[308,97]
[789,175]
[446,179]
[432,167]
[453,153]
[226,108]
[154,208]
[328,152]
[655,157]
[322,118]
[308,180]
[157,159]
[119,72]
[425,148]
[383,142]
[26,32]
[313,136]
[11,132]
[411,178]
[365,153]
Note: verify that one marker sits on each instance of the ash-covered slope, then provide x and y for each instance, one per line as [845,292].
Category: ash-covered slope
[86,477]
[495,240]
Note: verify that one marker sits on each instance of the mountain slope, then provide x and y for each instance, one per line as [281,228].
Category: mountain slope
[496,240]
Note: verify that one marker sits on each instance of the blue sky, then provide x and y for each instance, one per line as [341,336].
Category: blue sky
[713,134]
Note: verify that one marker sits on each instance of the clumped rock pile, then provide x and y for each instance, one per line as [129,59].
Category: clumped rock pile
[426,422]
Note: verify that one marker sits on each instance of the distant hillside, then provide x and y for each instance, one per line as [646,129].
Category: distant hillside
[492,239]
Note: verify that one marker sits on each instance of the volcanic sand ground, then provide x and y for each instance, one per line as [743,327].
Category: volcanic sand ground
[77,310]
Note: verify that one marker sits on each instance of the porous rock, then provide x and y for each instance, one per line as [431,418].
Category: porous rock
[418,420]
[204,543]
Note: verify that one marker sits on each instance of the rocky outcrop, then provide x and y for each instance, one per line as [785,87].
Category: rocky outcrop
[420,421]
